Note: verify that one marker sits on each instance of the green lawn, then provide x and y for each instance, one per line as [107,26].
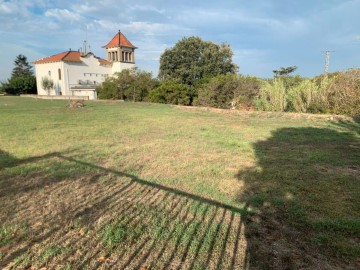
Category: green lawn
[147,186]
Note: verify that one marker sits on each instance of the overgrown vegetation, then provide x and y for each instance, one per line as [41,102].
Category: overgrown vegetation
[129,84]
[228,92]
[201,73]
[337,93]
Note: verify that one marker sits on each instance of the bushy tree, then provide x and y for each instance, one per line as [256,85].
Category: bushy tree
[129,84]
[22,80]
[140,87]
[192,59]
[19,85]
[171,93]
[108,89]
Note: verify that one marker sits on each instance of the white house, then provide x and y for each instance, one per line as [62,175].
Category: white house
[75,73]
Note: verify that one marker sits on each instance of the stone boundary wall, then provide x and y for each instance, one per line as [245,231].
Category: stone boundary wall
[57,97]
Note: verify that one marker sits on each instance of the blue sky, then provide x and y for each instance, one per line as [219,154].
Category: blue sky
[264,34]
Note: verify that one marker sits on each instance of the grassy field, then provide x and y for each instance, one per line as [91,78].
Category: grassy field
[147,186]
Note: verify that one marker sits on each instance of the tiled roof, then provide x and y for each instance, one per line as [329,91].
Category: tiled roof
[69,56]
[119,40]
[103,61]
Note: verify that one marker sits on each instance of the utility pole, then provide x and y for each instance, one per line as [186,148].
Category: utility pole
[327,61]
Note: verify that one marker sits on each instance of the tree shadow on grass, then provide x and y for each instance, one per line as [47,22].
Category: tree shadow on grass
[96,217]
[306,193]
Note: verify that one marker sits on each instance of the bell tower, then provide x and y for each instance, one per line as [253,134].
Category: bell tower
[120,52]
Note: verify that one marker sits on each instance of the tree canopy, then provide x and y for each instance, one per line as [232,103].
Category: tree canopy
[284,71]
[192,59]
[22,67]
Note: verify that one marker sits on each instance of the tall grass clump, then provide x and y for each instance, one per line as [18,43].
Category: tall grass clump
[306,96]
[272,96]
[310,96]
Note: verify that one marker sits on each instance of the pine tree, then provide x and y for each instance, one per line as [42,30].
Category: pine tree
[22,79]
[22,67]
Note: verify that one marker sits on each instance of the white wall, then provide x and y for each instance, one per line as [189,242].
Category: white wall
[89,70]
[50,70]
[119,66]
[84,93]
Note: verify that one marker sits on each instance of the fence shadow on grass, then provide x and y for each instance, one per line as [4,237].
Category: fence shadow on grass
[305,187]
[105,218]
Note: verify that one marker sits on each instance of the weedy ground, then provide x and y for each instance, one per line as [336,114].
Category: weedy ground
[148,186]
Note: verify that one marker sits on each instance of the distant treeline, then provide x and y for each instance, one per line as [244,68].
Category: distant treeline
[337,93]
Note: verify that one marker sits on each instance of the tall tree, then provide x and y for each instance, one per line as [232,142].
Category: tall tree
[192,59]
[22,80]
[22,67]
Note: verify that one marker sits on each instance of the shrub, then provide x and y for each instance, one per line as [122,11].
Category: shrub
[218,92]
[248,88]
[171,92]
[228,91]
[344,93]
[108,89]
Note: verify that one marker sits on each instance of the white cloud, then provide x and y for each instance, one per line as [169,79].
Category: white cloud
[63,15]
[6,8]
[142,28]
[241,19]
[85,8]
[146,8]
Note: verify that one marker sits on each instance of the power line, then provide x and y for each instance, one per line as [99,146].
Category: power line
[327,61]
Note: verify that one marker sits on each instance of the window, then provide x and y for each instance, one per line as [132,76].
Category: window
[49,73]
[59,72]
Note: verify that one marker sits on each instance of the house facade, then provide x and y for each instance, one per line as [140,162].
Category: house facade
[76,73]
